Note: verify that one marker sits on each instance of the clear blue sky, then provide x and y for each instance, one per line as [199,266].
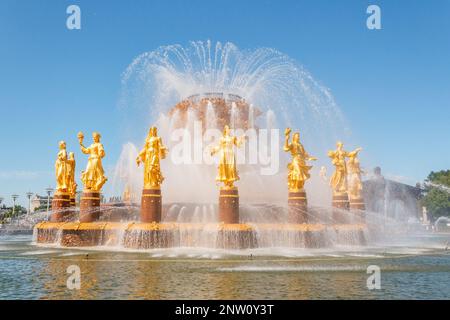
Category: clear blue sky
[393,85]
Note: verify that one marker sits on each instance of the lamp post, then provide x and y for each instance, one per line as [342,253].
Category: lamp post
[49,192]
[29,195]
[14,198]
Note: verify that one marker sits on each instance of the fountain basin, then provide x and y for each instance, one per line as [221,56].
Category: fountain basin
[136,235]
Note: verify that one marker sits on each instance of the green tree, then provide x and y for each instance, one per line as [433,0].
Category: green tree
[437,193]
[18,210]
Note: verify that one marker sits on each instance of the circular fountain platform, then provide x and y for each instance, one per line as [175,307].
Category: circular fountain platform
[135,235]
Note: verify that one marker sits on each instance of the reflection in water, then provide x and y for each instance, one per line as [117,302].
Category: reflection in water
[147,280]
[27,271]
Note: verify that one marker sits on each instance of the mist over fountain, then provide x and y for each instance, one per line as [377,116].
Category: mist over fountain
[190,94]
[175,85]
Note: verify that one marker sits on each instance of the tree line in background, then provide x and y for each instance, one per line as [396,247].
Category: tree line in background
[437,193]
[8,213]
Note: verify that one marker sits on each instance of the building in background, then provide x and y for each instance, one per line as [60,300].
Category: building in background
[39,203]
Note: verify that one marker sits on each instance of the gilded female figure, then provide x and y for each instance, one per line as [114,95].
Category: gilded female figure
[227,172]
[61,169]
[354,175]
[298,170]
[93,177]
[72,185]
[151,155]
[339,178]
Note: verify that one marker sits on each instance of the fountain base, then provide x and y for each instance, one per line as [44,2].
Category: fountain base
[227,236]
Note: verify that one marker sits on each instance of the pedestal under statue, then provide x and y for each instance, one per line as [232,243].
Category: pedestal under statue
[297,207]
[298,173]
[151,155]
[90,206]
[93,179]
[228,205]
[60,207]
[355,187]
[228,174]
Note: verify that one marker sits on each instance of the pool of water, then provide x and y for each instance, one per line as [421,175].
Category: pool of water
[415,269]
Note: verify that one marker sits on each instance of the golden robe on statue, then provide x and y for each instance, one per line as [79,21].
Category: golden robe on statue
[338,180]
[72,185]
[355,186]
[62,183]
[150,155]
[93,177]
[298,169]
[227,171]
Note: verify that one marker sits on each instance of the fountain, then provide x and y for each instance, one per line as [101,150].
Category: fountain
[226,103]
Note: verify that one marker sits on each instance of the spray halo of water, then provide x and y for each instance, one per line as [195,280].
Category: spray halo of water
[157,80]
[282,91]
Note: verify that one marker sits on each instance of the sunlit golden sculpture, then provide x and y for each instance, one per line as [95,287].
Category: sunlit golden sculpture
[93,177]
[72,185]
[61,169]
[298,170]
[338,180]
[128,196]
[354,175]
[151,156]
[227,172]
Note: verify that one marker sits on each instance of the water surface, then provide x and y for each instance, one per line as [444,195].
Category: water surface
[418,269]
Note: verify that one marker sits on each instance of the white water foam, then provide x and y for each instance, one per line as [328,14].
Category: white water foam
[309,268]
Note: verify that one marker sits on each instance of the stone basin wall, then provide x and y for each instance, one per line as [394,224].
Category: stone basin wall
[233,236]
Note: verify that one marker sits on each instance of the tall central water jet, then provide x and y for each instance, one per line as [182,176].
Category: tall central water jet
[218,84]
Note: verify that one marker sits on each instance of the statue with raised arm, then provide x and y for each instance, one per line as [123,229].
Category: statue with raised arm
[227,171]
[61,169]
[298,169]
[151,155]
[93,177]
[354,175]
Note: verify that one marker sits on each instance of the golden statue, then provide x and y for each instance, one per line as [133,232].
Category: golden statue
[93,177]
[227,172]
[62,183]
[338,180]
[127,195]
[354,175]
[151,155]
[72,187]
[298,170]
